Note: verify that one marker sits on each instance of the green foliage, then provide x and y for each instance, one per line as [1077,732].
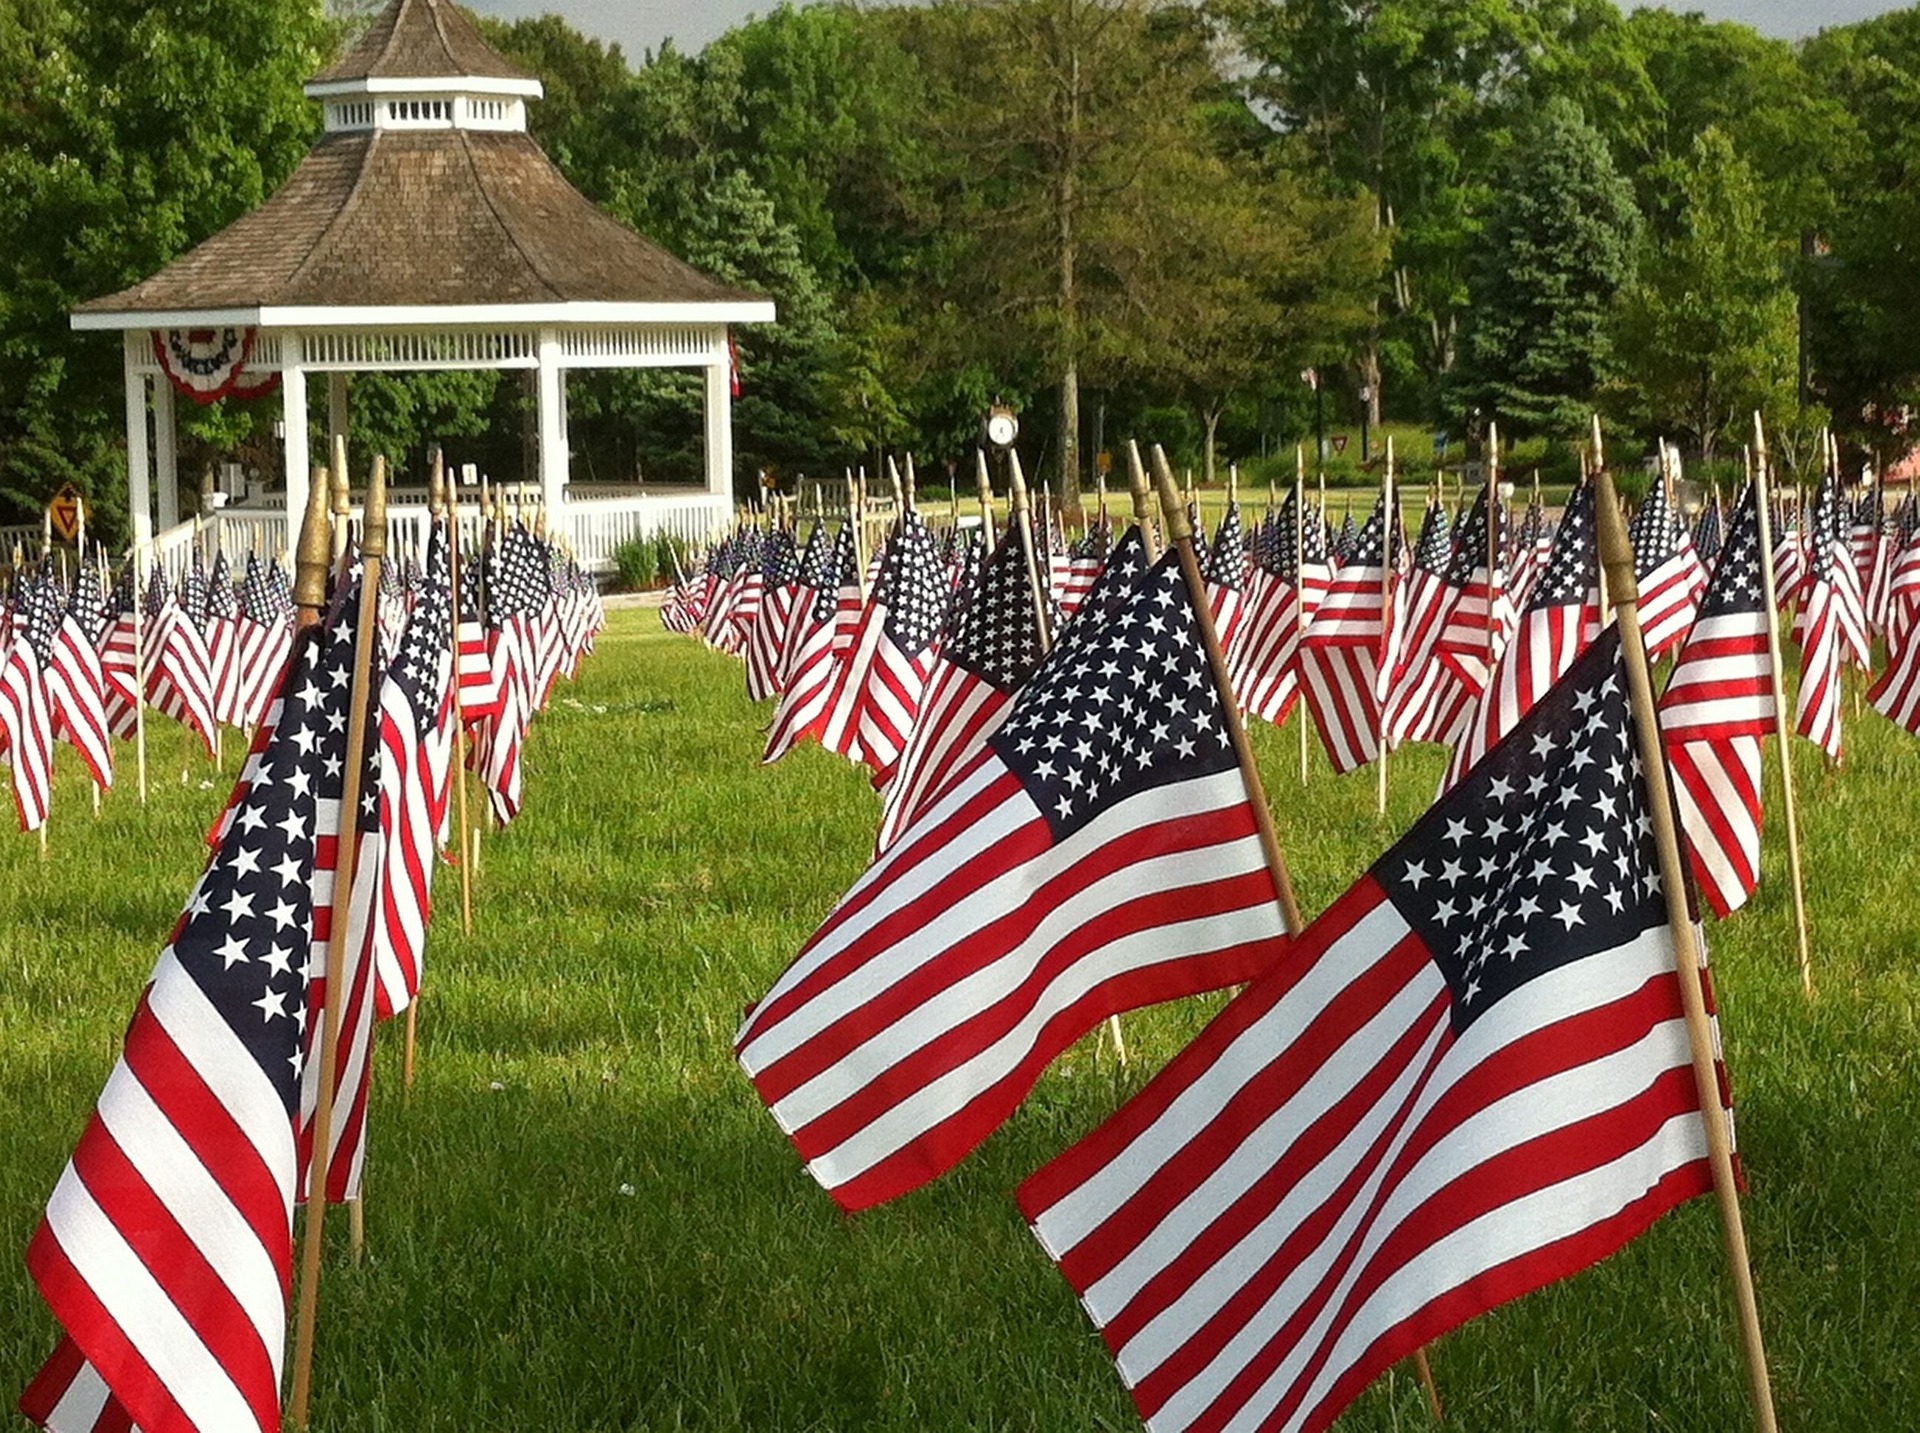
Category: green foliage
[643,563]
[126,137]
[1707,332]
[1555,249]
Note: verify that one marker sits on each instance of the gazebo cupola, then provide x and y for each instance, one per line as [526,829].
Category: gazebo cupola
[425,230]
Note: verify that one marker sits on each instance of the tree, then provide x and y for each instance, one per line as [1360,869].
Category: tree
[1557,246]
[127,137]
[1706,334]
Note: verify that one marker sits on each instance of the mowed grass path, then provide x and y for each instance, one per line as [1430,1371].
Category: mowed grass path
[584,1219]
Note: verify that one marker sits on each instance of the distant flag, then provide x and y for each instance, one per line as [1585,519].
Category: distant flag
[223,642]
[1820,623]
[1668,570]
[993,647]
[1097,854]
[166,1250]
[1414,689]
[1473,1077]
[1717,709]
[1561,616]
[479,687]
[179,672]
[26,715]
[1340,656]
[779,590]
[1709,531]
[1226,575]
[1285,594]
[810,663]
[415,772]
[76,684]
[263,640]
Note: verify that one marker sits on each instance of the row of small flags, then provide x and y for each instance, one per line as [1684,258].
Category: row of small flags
[82,659]
[1361,1152]
[166,1252]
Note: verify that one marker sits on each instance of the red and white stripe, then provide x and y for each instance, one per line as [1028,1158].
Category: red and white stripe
[76,688]
[1717,708]
[1330,1178]
[26,732]
[1339,663]
[1546,644]
[975,950]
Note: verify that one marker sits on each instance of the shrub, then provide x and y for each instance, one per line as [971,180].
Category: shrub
[637,564]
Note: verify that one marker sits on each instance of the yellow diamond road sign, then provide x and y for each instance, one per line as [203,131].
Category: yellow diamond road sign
[66,512]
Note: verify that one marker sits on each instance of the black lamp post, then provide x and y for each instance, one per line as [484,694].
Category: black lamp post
[1366,403]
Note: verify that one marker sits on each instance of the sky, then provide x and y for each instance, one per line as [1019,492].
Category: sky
[639,26]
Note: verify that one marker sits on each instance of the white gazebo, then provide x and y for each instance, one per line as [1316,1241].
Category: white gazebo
[424,230]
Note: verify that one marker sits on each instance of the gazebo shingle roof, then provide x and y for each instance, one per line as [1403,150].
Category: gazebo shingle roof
[421,39]
[421,217]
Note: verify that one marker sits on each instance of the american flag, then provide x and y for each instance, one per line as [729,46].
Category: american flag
[179,671]
[513,594]
[779,591]
[877,693]
[826,578]
[1227,578]
[26,715]
[1472,1078]
[1789,557]
[166,1251]
[263,639]
[1097,854]
[994,645]
[1286,592]
[346,1142]
[1668,570]
[1532,544]
[1481,616]
[222,627]
[1562,614]
[1717,708]
[479,690]
[1341,654]
[76,685]
[1708,530]
[1418,682]
[416,766]
[1820,623]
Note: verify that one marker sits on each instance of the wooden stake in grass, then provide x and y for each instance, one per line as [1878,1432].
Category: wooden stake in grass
[1782,736]
[373,547]
[1299,586]
[1389,562]
[985,485]
[139,672]
[1616,554]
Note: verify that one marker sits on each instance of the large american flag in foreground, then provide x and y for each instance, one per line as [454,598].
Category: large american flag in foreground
[1097,854]
[166,1250]
[1471,1079]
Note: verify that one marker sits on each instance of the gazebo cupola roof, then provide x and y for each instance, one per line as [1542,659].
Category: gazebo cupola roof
[423,65]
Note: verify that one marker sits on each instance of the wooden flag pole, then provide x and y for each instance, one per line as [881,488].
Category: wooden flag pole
[985,484]
[139,674]
[1299,587]
[373,547]
[1022,521]
[1389,560]
[1180,536]
[1617,555]
[1142,500]
[1763,481]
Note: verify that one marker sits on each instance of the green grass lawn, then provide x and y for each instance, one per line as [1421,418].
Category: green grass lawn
[584,1219]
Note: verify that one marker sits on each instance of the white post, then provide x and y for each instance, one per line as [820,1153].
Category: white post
[166,470]
[719,409]
[139,499]
[294,441]
[337,412]
[553,434]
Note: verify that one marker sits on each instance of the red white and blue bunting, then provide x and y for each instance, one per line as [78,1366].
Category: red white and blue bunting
[207,364]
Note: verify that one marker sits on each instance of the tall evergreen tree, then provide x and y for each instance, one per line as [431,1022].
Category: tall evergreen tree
[1557,246]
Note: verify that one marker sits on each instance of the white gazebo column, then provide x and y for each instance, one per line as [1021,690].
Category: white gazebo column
[553,434]
[166,467]
[139,499]
[719,410]
[298,455]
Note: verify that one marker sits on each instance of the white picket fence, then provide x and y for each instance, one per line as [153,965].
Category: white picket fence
[595,527]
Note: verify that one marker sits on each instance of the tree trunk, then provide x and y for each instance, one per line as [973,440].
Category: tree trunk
[1370,375]
[1069,293]
[1213,426]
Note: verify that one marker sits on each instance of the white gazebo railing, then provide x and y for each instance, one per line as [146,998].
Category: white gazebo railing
[594,526]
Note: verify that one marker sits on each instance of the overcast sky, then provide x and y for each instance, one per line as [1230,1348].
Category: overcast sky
[640,25]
